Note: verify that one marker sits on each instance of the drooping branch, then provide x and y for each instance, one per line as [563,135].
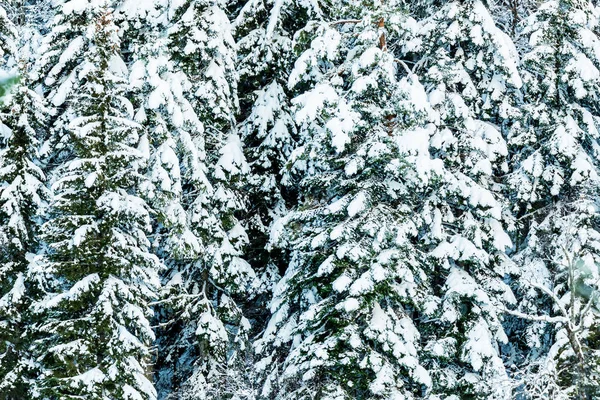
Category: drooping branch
[345,21]
[539,318]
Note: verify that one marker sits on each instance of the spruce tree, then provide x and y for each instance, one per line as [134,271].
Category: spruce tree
[202,350]
[22,196]
[555,185]
[22,119]
[469,69]
[175,149]
[342,325]
[93,333]
[265,30]
[157,90]
[56,70]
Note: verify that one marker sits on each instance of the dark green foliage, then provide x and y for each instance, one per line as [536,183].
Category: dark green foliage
[93,328]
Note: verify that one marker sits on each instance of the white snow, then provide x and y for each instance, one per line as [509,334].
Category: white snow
[357,205]
[341,283]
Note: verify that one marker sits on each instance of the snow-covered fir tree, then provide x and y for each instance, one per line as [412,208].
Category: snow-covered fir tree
[93,332]
[22,123]
[469,69]
[265,58]
[56,69]
[555,185]
[342,324]
[174,146]
[160,105]
[203,345]
[22,195]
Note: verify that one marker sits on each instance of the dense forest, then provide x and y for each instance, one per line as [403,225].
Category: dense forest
[299,199]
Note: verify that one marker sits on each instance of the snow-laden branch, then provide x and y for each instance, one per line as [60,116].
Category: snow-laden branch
[553,296]
[345,21]
[540,318]
[408,70]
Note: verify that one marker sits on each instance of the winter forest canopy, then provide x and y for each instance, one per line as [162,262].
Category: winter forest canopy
[299,199]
